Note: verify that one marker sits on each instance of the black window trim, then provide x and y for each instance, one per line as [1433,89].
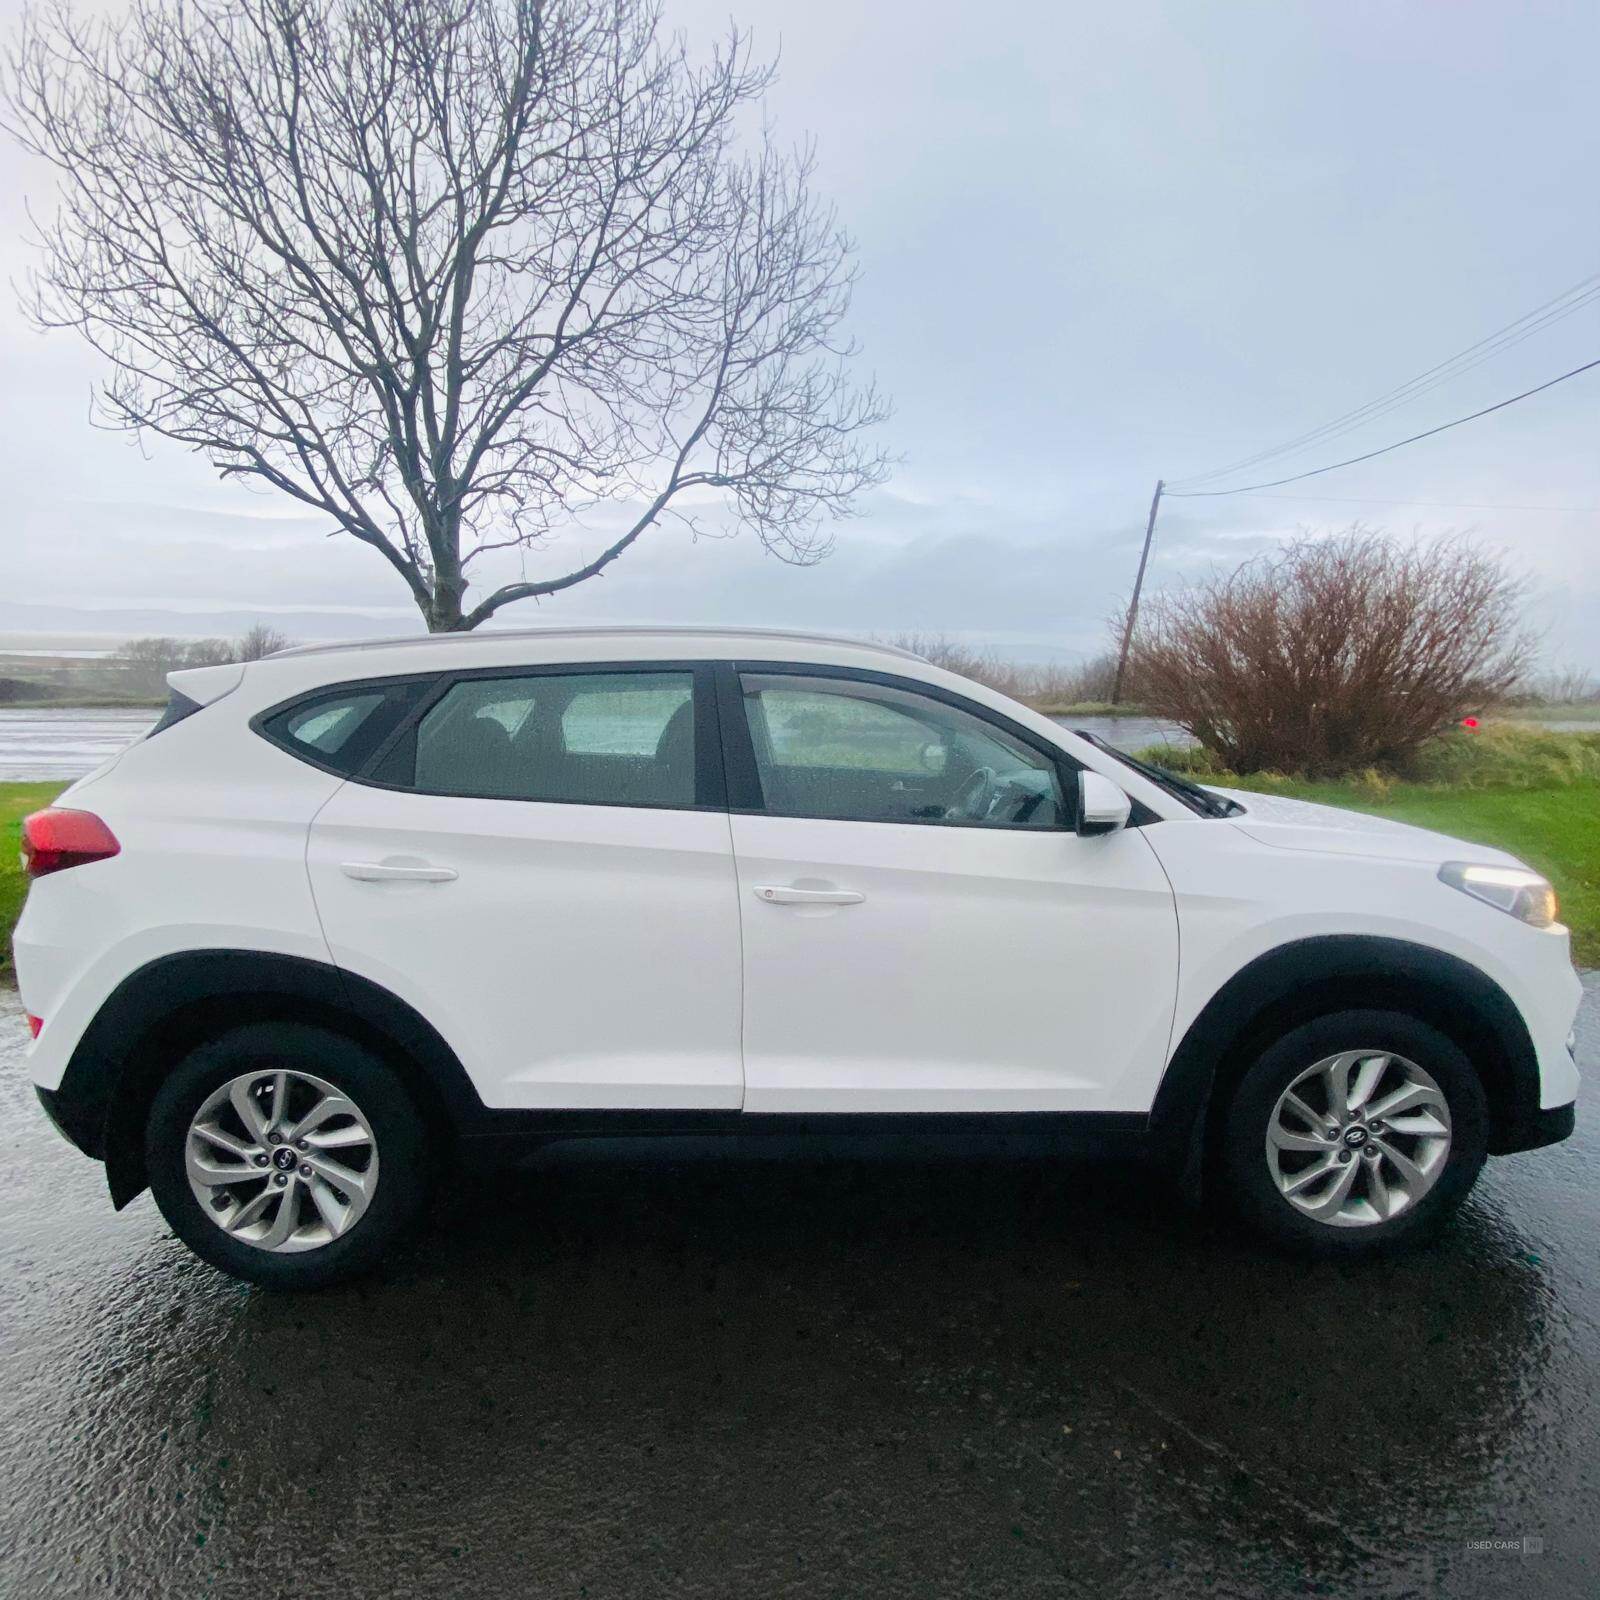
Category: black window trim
[744,781]
[726,779]
[179,707]
[261,722]
[709,787]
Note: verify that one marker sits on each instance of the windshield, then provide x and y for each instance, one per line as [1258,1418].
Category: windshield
[1192,795]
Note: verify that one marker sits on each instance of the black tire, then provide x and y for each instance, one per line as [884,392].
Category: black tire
[403,1178]
[1249,1178]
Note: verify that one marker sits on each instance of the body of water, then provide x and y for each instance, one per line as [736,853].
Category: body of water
[60,743]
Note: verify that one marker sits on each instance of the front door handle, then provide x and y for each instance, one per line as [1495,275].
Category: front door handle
[777,895]
[387,872]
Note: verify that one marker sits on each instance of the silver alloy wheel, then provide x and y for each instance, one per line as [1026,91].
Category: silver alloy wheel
[281,1160]
[1358,1138]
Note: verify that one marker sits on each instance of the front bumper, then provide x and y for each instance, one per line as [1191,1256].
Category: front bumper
[1534,1129]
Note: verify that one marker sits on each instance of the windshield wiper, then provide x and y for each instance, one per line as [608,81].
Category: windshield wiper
[1201,800]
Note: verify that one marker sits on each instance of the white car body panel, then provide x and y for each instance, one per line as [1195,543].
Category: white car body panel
[1287,824]
[583,955]
[212,822]
[1244,890]
[985,969]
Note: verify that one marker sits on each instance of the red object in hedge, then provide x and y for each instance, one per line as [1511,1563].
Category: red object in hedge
[1469,722]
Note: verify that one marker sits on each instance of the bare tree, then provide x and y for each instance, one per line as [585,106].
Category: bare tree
[453,272]
[142,665]
[955,655]
[1045,685]
[258,640]
[1332,654]
[1559,686]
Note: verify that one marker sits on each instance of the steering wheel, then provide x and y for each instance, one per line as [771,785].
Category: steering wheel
[975,795]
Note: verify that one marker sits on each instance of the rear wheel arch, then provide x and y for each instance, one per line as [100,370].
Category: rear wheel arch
[162,1011]
[1311,977]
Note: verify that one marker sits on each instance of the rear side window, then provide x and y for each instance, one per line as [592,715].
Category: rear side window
[338,729]
[583,738]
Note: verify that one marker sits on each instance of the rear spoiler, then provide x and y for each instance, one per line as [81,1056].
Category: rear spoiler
[202,685]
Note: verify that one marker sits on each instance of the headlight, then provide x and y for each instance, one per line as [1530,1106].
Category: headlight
[1524,894]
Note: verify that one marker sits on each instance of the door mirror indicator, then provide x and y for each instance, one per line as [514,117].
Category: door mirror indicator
[1102,806]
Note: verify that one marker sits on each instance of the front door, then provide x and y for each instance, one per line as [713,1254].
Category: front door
[923,929]
[541,867]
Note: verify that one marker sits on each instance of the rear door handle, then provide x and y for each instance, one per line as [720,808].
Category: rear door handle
[777,895]
[385,872]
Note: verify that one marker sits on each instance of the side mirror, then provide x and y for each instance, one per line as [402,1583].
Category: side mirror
[1102,806]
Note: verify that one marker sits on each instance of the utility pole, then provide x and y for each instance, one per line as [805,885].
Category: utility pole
[1133,604]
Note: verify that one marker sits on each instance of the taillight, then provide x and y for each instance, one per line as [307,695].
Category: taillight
[34,1023]
[56,839]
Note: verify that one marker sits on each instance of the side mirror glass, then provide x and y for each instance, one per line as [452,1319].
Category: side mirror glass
[1102,806]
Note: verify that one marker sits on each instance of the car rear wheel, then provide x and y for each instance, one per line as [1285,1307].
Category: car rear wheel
[1355,1133]
[286,1155]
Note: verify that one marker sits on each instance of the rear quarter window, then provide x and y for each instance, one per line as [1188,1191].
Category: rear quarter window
[339,729]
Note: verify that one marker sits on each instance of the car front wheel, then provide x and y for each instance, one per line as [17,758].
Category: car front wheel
[286,1155]
[1354,1133]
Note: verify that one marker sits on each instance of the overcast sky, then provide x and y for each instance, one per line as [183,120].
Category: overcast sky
[1099,244]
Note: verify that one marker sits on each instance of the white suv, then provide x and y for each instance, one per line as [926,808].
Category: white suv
[351,912]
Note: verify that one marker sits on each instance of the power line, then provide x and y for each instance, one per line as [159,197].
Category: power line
[1437,505]
[1563,305]
[1428,433]
[1586,292]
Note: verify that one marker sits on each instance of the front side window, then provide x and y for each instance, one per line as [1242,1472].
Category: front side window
[855,750]
[585,738]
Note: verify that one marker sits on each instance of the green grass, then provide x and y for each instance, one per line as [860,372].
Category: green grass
[1582,711]
[16,801]
[83,702]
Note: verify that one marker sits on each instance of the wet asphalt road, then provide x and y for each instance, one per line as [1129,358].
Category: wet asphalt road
[699,1370]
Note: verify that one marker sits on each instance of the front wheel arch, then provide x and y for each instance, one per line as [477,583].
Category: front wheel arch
[1298,982]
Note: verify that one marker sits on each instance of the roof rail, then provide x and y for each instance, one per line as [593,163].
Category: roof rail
[603,630]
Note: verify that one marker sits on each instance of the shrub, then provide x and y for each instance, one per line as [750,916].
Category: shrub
[1332,655]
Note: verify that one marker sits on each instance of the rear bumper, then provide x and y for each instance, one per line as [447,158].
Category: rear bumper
[1535,1129]
[79,1124]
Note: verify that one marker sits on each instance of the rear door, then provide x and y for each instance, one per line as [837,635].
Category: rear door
[924,930]
[540,864]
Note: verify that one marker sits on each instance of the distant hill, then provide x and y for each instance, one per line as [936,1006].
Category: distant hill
[27,626]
